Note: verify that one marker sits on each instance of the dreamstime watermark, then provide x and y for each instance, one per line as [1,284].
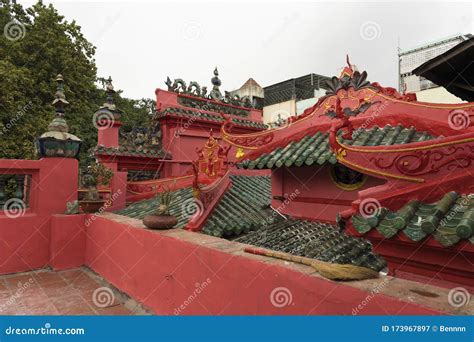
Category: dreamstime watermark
[199,288]
[190,121]
[370,296]
[369,207]
[46,330]
[103,297]
[281,297]
[14,30]
[374,115]
[192,207]
[458,297]
[192,30]
[14,208]
[459,119]
[107,204]
[457,208]
[277,211]
[370,30]
[103,120]
[22,287]
[14,120]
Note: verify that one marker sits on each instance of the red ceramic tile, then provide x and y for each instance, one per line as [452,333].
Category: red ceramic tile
[3,287]
[100,299]
[68,292]
[4,296]
[58,289]
[73,311]
[16,281]
[48,309]
[48,277]
[75,273]
[34,301]
[70,275]
[14,310]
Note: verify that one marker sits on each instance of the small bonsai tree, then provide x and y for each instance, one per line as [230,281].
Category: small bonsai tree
[102,174]
[96,174]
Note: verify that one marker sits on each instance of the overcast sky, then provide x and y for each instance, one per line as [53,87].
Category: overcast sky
[140,43]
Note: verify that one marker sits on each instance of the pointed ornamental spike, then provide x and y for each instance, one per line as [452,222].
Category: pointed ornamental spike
[216,82]
[348,71]
[109,89]
[109,86]
[59,124]
[59,98]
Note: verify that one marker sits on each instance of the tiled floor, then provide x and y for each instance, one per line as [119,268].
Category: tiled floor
[72,292]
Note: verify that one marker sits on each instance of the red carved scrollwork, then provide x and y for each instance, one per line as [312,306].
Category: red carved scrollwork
[428,161]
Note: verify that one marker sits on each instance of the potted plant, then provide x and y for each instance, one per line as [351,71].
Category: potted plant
[96,174]
[161,218]
[102,174]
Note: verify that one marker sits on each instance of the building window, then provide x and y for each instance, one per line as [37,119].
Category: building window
[347,179]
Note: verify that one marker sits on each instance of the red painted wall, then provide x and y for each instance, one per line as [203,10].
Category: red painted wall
[163,270]
[68,241]
[25,240]
[315,194]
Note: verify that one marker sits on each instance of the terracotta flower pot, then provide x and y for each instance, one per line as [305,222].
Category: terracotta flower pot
[90,207]
[160,222]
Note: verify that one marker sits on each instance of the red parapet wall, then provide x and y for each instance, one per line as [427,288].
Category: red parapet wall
[183,273]
[68,241]
[25,235]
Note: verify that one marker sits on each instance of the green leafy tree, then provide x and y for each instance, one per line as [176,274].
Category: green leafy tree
[36,45]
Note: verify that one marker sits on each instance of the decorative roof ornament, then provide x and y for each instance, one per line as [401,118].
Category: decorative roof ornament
[348,70]
[216,82]
[109,89]
[179,86]
[212,158]
[59,124]
[57,142]
[108,115]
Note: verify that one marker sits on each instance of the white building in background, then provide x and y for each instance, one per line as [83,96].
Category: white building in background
[291,97]
[426,90]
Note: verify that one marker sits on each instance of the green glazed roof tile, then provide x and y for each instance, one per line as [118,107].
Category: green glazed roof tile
[449,220]
[210,117]
[314,240]
[315,148]
[244,207]
[140,209]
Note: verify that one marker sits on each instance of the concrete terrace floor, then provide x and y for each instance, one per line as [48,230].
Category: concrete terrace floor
[73,292]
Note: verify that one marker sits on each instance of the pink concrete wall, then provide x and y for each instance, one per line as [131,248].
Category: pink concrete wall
[163,270]
[316,195]
[68,241]
[109,136]
[25,240]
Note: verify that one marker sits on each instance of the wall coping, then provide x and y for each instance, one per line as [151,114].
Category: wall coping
[405,290]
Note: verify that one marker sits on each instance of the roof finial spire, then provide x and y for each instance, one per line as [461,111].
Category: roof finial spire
[347,71]
[59,98]
[216,82]
[57,142]
[59,123]
[109,89]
